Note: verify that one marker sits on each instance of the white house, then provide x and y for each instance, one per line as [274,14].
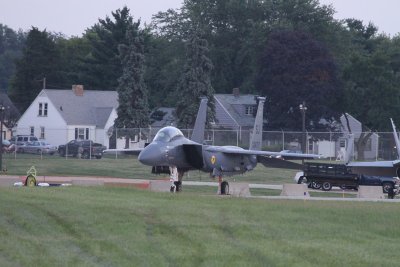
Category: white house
[63,115]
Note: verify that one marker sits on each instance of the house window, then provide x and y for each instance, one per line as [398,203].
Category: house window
[249,110]
[32,130]
[82,133]
[342,143]
[42,136]
[43,109]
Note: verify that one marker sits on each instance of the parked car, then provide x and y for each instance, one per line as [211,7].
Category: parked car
[82,148]
[37,147]
[7,146]
[20,140]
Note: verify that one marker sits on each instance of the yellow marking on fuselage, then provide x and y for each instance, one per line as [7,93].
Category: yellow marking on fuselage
[213,159]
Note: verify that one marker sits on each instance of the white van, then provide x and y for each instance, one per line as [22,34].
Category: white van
[20,140]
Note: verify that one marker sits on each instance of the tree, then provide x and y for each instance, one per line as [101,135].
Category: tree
[296,68]
[102,66]
[73,52]
[237,31]
[164,61]
[371,80]
[229,28]
[133,109]
[372,93]
[195,82]
[11,44]
[40,59]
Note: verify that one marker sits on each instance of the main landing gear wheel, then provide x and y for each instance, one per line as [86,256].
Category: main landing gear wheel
[224,188]
[178,186]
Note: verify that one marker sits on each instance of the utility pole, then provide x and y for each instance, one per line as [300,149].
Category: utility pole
[303,109]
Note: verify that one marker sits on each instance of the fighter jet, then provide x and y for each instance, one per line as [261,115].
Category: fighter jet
[380,168]
[171,148]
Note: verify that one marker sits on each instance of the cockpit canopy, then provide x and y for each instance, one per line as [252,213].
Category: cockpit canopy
[166,134]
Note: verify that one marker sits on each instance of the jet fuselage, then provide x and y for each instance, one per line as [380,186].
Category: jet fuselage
[188,155]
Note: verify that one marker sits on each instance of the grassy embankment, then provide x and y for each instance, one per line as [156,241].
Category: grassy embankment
[125,167]
[101,226]
[128,167]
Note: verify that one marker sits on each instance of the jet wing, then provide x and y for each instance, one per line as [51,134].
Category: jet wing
[383,164]
[240,151]
[280,163]
[133,151]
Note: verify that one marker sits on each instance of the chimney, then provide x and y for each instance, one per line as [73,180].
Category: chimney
[77,89]
[235,92]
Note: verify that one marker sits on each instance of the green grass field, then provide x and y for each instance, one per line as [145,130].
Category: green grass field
[102,226]
[125,167]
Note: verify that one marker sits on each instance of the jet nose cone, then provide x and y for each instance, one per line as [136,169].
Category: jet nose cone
[151,155]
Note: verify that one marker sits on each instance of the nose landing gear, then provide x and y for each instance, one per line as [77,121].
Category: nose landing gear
[176,179]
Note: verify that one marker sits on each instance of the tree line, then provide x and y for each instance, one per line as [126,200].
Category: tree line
[291,51]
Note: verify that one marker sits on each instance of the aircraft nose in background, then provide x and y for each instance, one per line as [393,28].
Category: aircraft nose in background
[151,155]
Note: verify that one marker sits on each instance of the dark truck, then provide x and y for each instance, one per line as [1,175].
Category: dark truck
[82,148]
[324,176]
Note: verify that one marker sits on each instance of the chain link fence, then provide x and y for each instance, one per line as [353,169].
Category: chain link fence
[332,145]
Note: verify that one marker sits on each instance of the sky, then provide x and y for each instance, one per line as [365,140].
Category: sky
[72,17]
[382,13]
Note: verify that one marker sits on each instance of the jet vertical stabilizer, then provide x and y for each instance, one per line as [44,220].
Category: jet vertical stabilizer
[396,139]
[256,137]
[200,124]
[350,148]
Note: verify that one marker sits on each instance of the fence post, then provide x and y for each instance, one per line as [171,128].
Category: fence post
[377,147]
[307,143]
[116,142]
[66,147]
[237,136]
[330,146]
[149,136]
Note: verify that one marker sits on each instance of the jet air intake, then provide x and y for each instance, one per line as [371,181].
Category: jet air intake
[194,155]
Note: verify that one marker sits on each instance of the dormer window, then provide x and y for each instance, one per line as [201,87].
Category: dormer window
[42,109]
[249,110]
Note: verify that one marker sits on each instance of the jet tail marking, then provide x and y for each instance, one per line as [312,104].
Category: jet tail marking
[200,124]
[256,138]
[396,139]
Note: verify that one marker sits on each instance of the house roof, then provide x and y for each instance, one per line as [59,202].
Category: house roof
[92,108]
[235,106]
